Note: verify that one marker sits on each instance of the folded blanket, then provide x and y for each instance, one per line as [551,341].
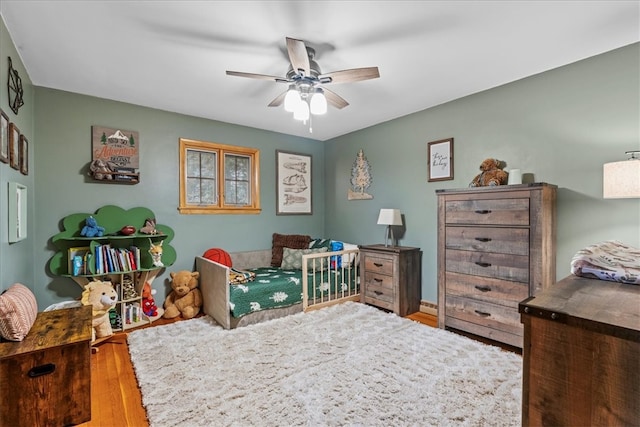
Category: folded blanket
[610,260]
[237,277]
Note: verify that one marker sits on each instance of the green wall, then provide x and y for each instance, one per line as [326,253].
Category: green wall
[561,126]
[16,259]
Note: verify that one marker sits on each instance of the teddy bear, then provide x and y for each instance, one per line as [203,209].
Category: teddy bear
[185,298]
[91,228]
[149,306]
[491,175]
[103,298]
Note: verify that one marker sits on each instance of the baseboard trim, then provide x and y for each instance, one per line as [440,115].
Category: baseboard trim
[429,308]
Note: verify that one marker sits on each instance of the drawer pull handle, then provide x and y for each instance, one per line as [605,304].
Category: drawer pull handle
[38,371]
[375,279]
[377,293]
[483,313]
[483,264]
[483,239]
[483,211]
[377,264]
[483,288]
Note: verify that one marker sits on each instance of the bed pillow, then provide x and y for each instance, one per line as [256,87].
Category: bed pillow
[348,259]
[292,258]
[18,312]
[293,241]
[320,243]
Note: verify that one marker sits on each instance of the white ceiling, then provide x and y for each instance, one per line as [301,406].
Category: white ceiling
[172,55]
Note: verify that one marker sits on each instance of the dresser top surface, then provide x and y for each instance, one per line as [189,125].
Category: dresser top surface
[499,188]
[600,303]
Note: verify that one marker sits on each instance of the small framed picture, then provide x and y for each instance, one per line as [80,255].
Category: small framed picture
[4,137]
[293,183]
[24,155]
[14,146]
[440,158]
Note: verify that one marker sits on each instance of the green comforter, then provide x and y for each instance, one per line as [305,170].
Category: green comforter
[274,288]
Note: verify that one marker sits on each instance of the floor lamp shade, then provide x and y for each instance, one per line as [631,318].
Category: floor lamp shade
[621,179]
[389,217]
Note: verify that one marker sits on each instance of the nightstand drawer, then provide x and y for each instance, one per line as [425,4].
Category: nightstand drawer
[379,264]
[487,264]
[513,241]
[379,287]
[488,212]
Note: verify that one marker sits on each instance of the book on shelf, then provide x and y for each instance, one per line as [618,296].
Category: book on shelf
[78,258]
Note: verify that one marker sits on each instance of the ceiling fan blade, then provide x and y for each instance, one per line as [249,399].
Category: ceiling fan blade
[353,75]
[278,100]
[298,55]
[334,99]
[256,76]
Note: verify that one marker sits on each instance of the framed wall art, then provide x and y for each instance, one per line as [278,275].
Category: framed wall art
[17,212]
[293,183]
[440,158]
[4,137]
[14,146]
[115,155]
[24,155]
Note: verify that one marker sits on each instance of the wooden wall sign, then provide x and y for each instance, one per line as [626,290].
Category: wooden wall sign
[115,155]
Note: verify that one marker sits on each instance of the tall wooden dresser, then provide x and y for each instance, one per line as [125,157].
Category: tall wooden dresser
[496,247]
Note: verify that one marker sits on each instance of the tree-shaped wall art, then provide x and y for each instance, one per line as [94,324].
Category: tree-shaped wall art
[361,178]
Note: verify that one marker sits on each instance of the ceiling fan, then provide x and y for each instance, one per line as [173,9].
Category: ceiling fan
[307,91]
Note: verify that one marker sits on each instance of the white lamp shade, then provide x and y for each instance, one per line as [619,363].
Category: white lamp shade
[621,179]
[302,111]
[291,100]
[318,103]
[390,217]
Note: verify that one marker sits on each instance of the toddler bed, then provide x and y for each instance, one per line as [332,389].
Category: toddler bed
[251,293]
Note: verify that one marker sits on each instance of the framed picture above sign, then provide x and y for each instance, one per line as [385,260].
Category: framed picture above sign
[440,158]
[24,155]
[4,137]
[14,146]
[293,183]
[115,155]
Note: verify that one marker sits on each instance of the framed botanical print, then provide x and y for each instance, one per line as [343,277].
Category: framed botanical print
[293,183]
[14,146]
[4,137]
[440,158]
[24,155]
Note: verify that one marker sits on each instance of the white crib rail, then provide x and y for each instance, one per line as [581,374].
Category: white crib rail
[328,276]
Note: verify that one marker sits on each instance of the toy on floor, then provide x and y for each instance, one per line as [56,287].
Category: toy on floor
[185,298]
[91,228]
[149,306]
[491,175]
[102,297]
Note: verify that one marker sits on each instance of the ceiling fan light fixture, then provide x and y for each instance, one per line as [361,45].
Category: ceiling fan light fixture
[301,112]
[318,103]
[292,99]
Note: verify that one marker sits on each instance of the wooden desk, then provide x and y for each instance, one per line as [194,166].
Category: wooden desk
[45,379]
[581,355]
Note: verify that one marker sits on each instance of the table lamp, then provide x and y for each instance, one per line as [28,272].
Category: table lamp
[389,217]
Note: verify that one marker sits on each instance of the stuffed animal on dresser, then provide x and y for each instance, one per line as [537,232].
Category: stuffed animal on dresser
[491,175]
[185,298]
[102,297]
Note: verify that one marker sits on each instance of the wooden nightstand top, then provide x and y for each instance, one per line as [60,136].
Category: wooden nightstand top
[392,249]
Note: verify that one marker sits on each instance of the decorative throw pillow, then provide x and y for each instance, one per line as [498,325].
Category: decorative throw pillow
[218,255]
[320,243]
[293,241]
[348,259]
[18,312]
[292,258]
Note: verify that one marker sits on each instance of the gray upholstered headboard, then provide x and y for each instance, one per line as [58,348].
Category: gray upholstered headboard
[251,259]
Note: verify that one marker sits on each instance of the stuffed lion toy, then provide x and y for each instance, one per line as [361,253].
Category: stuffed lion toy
[185,298]
[491,175]
[102,297]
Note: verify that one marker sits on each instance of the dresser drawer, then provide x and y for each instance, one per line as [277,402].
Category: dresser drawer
[488,264]
[488,212]
[489,239]
[379,264]
[484,314]
[503,292]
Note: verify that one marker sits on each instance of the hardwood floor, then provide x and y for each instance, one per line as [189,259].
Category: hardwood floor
[115,397]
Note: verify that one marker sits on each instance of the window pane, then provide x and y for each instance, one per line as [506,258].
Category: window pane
[193,163]
[209,165]
[230,166]
[208,195]
[243,193]
[230,193]
[243,169]
[193,191]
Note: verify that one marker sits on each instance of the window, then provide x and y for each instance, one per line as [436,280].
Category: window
[218,178]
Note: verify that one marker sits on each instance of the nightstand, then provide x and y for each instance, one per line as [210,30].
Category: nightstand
[391,277]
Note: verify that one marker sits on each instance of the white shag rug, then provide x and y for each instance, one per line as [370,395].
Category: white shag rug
[349,364]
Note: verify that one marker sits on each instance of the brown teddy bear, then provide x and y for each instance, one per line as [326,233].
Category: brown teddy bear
[102,297]
[185,299]
[491,175]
